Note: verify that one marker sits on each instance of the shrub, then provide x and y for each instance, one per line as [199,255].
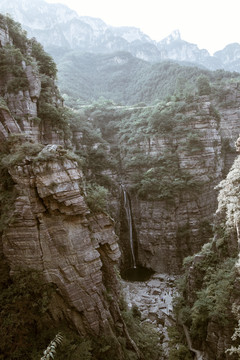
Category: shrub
[144,334]
[20,152]
[46,64]
[17,84]
[214,297]
[7,197]
[51,349]
[11,69]
[96,197]
[57,117]
[203,85]
[178,349]
[3,104]
[16,32]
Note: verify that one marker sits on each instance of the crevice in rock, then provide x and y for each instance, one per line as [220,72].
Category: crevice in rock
[38,222]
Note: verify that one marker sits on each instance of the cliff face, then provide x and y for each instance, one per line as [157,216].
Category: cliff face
[51,231]
[211,290]
[48,226]
[169,229]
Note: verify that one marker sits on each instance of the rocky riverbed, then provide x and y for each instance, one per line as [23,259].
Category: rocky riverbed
[153,299]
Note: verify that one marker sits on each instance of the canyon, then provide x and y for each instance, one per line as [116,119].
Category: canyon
[164,162]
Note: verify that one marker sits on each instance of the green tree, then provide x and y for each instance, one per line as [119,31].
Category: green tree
[203,85]
[46,63]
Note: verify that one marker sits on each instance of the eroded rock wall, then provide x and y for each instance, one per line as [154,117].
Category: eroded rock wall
[49,226]
[51,230]
[170,230]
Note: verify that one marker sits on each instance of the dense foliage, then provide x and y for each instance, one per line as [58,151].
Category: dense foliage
[12,57]
[210,300]
[24,318]
[178,349]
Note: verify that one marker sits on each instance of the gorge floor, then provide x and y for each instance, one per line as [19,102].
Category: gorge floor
[154,300]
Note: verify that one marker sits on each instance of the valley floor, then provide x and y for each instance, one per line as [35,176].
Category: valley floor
[153,298]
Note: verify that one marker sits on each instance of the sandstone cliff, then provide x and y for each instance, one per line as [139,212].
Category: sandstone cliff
[170,172]
[51,230]
[48,226]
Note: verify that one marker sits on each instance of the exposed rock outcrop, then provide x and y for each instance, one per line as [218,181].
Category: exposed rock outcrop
[50,227]
[49,231]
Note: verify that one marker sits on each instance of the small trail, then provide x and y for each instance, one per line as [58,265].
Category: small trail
[126,107]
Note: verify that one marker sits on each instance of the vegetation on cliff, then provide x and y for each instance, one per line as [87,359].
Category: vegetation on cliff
[209,289]
[146,142]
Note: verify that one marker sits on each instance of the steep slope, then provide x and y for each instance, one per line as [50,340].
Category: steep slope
[174,48]
[49,197]
[169,156]
[229,57]
[55,25]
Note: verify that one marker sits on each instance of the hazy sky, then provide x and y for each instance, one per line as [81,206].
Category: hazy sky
[210,24]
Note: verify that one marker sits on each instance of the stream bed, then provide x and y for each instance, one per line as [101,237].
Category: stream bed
[153,299]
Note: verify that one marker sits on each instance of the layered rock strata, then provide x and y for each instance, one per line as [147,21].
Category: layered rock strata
[167,231]
[50,227]
[51,231]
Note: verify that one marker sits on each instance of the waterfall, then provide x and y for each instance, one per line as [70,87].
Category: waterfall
[129,219]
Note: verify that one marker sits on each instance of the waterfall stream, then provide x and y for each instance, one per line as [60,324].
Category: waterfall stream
[198,354]
[127,208]
[131,269]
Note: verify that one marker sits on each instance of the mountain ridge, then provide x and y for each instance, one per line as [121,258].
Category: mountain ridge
[59,25]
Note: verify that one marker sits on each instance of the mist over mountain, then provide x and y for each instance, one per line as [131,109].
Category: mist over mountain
[60,29]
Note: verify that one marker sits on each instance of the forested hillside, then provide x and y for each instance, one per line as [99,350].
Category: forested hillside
[84,77]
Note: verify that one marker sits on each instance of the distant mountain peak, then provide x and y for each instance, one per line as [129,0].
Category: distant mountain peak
[60,28]
[130,34]
[174,36]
